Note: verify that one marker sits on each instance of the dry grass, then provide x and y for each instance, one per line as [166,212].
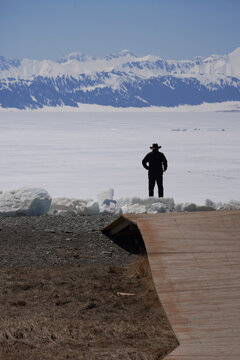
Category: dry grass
[75,312]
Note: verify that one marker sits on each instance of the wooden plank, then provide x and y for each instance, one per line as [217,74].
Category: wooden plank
[195,264]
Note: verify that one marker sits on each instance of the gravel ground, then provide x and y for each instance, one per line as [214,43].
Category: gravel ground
[51,240]
[67,292]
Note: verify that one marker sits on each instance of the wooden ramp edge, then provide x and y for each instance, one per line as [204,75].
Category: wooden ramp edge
[195,263]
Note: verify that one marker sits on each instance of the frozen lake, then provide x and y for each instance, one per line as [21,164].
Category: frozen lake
[79,154]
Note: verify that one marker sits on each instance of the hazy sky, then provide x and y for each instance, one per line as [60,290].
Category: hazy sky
[172,29]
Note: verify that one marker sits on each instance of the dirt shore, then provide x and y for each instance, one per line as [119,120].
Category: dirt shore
[68,292]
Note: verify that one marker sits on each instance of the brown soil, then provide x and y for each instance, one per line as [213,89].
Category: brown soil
[99,310]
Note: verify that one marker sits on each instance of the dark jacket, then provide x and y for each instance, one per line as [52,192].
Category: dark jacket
[155,162]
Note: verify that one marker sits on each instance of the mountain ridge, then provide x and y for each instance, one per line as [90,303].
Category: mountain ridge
[119,80]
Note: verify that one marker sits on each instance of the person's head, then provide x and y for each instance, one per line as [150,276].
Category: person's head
[155,147]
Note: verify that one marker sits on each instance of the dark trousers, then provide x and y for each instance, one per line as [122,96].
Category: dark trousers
[152,179]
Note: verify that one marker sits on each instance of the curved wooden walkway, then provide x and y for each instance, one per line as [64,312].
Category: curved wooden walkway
[195,263]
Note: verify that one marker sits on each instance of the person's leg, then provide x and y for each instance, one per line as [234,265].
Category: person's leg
[160,185]
[151,184]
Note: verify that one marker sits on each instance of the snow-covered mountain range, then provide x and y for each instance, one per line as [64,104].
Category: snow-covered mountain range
[119,80]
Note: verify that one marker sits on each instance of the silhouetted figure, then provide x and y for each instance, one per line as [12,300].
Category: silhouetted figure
[156,163]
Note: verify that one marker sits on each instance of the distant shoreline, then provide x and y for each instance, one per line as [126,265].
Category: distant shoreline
[226,106]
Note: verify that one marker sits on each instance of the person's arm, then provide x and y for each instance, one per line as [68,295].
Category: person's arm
[165,163]
[144,162]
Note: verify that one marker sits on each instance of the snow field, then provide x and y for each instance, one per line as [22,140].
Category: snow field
[78,155]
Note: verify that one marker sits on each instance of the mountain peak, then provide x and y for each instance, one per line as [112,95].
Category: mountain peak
[83,58]
[125,52]
[120,54]
[235,53]
[6,64]
[74,56]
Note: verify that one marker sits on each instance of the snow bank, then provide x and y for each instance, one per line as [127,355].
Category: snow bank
[36,202]
[106,205]
[25,201]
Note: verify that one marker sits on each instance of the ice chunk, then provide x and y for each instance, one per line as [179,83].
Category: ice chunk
[134,209]
[149,205]
[61,204]
[132,205]
[147,201]
[77,206]
[25,201]
[185,207]
[87,208]
[168,202]
[210,206]
[189,207]
[210,203]
[232,205]
[108,207]
[105,195]
[204,208]
[159,208]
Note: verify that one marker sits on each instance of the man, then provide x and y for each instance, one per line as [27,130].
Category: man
[156,163]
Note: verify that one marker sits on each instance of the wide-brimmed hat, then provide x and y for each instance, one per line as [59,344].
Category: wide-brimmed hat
[155,146]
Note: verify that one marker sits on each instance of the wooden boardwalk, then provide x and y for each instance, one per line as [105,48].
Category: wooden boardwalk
[195,263]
